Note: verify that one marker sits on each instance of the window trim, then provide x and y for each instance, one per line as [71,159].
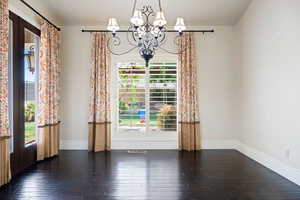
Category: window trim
[147,130]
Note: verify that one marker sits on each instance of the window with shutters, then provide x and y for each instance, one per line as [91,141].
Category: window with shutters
[147,97]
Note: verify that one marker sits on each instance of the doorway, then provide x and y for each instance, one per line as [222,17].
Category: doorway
[23,85]
[145,101]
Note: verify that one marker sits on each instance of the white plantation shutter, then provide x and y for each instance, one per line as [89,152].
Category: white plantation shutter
[132,101]
[147,96]
[163,96]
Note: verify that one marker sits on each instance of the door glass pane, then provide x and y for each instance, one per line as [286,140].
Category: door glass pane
[132,83]
[30,78]
[10,84]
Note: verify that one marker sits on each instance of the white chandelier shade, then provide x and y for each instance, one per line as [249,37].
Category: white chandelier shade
[137,18]
[113,25]
[160,19]
[180,26]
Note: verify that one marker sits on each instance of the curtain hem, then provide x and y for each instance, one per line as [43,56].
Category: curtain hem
[189,136]
[48,142]
[5,173]
[99,136]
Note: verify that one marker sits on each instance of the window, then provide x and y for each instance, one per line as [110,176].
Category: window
[147,97]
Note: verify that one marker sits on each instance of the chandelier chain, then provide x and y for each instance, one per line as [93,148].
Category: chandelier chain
[159,3]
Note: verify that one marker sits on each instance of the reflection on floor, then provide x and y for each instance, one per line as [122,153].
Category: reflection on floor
[156,175]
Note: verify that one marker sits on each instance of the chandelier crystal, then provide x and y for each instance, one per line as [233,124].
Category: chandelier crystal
[146,34]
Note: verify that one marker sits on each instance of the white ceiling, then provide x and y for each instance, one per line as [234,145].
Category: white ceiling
[195,12]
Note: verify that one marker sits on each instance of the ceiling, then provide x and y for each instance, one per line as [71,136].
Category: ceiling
[195,12]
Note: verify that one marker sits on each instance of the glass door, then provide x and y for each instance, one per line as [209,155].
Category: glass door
[31,44]
[145,104]
[23,73]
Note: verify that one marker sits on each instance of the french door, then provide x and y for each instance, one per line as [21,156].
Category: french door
[145,104]
[23,98]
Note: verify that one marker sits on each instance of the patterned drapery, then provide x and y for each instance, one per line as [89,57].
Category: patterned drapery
[99,107]
[5,174]
[48,110]
[189,125]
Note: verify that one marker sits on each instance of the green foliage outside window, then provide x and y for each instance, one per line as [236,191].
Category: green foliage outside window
[166,116]
[29,112]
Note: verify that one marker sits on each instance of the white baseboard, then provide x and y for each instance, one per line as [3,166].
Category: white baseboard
[73,144]
[140,144]
[144,144]
[218,144]
[120,145]
[171,144]
[275,165]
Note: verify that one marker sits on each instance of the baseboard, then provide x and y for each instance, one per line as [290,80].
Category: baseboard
[273,164]
[218,144]
[155,144]
[144,144]
[73,145]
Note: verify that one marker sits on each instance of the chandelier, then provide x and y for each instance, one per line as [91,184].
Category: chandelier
[147,32]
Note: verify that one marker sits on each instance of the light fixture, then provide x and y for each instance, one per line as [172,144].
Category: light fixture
[113,25]
[180,26]
[137,18]
[145,35]
[160,20]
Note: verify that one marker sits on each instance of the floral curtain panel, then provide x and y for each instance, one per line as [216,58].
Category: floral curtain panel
[189,125]
[5,173]
[99,107]
[48,110]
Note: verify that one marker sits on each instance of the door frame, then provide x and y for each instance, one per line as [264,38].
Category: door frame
[22,156]
[139,140]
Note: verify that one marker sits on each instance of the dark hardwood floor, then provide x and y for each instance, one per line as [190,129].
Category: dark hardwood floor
[156,175]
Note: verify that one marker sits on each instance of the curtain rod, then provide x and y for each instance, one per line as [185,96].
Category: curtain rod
[39,14]
[172,31]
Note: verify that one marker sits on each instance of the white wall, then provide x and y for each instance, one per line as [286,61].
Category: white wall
[217,86]
[75,87]
[269,46]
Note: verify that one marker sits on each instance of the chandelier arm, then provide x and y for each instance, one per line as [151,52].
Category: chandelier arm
[133,36]
[127,36]
[175,53]
[177,40]
[163,40]
[179,44]
[123,53]
[116,41]
[128,40]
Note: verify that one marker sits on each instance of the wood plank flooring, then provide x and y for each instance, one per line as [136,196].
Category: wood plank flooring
[156,175]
